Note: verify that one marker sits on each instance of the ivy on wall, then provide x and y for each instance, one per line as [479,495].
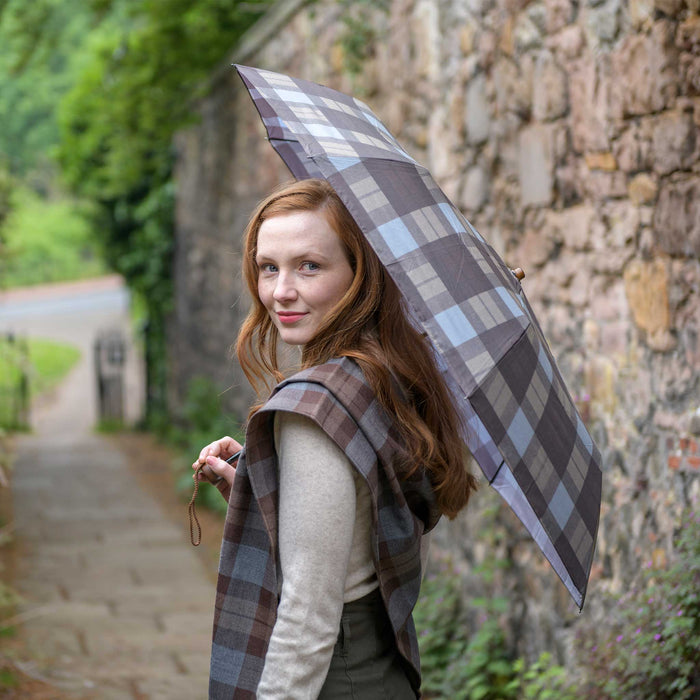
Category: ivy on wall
[359,35]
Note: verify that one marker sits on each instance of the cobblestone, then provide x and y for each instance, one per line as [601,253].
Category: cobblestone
[117,605]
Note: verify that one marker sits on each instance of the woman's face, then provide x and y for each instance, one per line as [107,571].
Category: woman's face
[303,272]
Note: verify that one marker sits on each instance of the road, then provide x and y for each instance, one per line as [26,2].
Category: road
[117,603]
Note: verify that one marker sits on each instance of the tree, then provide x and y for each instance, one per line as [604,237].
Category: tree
[125,76]
[144,68]
[41,43]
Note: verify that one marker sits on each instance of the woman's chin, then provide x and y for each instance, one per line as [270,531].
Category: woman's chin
[294,336]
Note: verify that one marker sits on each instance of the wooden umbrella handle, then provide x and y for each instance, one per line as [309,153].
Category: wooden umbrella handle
[519,273]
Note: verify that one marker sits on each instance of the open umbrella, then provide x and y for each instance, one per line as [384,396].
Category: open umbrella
[522,426]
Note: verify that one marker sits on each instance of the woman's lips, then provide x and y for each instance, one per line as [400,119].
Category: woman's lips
[290,316]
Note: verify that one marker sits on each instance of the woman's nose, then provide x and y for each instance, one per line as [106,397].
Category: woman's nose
[285,290]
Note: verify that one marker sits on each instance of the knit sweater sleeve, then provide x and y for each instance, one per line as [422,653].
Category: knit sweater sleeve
[317,503]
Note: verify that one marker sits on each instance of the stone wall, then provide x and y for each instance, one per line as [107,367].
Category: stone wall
[568,134]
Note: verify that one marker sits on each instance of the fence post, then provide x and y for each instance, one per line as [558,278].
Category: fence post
[110,354]
[23,383]
[18,398]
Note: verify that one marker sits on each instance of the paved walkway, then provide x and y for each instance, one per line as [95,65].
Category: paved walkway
[118,604]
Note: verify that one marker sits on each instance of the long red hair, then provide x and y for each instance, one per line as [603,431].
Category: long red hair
[368,324]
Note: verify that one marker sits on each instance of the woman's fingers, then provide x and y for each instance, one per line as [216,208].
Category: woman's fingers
[213,448]
[221,469]
[205,473]
[223,447]
[218,451]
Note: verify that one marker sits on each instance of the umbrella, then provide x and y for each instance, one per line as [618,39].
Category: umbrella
[523,428]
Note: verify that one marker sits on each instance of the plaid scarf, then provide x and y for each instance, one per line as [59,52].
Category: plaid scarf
[336,397]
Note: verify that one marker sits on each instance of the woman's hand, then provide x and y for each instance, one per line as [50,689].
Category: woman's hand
[212,460]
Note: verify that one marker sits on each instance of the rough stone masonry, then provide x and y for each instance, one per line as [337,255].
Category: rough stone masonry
[568,133]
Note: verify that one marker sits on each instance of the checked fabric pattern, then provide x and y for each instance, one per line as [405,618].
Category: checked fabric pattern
[523,427]
[336,397]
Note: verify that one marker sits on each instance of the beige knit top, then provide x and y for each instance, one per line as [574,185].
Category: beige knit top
[325,553]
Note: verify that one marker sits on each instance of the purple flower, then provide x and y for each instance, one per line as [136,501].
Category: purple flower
[594,648]
[619,638]
[634,653]
[679,613]
[638,630]
[650,601]
[657,637]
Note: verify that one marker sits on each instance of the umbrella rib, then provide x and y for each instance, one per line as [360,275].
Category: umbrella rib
[497,472]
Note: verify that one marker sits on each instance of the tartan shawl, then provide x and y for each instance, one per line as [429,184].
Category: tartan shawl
[336,397]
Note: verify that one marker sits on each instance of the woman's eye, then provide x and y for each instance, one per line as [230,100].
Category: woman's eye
[309,266]
[267,267]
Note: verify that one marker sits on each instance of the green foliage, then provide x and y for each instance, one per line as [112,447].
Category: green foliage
[651,649]
[145,66]
[147,63]
[543,680]
[102,86]
[48,236]
[6,189]
[14,384]
[41,42]
[202,421]
[50,362]
[359,36]
[646,650]
[460,660]
[8,679]
[441,637]
[464,652]
[43,367]
[47,241]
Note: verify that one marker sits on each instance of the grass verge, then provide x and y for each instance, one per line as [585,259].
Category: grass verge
[27,371]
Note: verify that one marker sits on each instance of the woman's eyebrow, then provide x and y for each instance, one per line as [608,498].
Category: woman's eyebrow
[302,254]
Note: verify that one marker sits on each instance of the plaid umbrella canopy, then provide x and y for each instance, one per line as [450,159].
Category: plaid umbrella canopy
[521,424]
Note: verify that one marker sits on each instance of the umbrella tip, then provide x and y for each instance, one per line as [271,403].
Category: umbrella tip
[519,272]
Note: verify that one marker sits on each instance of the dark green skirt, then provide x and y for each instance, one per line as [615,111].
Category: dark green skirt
[366,664]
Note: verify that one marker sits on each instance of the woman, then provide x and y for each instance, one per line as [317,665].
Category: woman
[346,465]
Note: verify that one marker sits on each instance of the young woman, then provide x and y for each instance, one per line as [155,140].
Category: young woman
[346,465]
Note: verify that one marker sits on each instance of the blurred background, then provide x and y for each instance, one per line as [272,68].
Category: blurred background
[567,131]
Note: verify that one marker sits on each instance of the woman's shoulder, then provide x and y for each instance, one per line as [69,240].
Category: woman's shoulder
[328,372]
[341,379]
[334,394]
[297,428]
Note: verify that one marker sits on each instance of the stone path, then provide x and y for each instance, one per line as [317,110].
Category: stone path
[117,602]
